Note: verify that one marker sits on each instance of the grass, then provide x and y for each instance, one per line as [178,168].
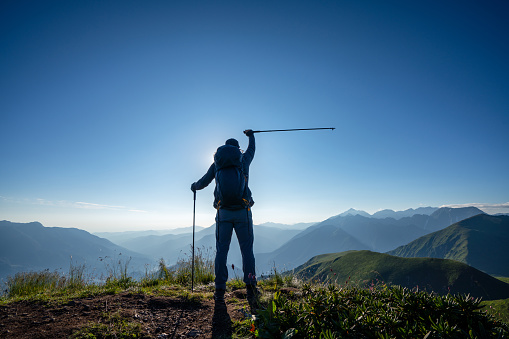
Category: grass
[498,308]
[112,325]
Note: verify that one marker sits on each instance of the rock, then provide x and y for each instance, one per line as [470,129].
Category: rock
[193,333]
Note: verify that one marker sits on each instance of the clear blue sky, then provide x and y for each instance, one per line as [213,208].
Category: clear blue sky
[111,109]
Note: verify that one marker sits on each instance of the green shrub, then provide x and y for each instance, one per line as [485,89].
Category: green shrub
[382,312]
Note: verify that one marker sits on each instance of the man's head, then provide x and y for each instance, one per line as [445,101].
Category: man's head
[232,142]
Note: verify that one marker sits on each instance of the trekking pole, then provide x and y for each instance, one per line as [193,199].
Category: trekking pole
[293,129]
[192,265]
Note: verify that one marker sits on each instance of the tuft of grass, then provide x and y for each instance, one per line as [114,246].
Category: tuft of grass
[32,283]
[26,284]
[181,272]
[112,325]
[237,283]
[276,281]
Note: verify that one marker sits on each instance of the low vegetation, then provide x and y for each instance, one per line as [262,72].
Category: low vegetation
[289,307]
[377,312]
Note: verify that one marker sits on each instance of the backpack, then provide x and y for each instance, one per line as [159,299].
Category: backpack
[231,184]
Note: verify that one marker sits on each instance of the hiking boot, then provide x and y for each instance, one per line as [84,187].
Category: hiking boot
[219,295]
[252,295]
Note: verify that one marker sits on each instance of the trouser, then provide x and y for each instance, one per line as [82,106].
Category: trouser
[242,222]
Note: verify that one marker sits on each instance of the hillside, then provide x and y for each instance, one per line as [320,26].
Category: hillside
[481,241]
[33,247]
[438,275]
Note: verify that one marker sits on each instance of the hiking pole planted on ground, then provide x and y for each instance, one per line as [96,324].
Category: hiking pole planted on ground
[192,265]
[293,129]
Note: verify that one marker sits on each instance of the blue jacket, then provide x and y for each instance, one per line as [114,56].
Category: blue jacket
[247,157]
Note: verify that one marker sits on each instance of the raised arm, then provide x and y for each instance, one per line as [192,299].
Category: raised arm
[250,152]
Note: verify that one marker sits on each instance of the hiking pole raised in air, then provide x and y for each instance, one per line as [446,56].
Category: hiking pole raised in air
[293,129]
[192,265]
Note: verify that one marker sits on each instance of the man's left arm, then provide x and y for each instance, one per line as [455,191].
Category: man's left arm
[205,180]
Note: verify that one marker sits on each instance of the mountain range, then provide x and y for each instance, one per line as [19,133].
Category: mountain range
[462,234]
[388,213]
[32,247]
[346,232]
[481,241]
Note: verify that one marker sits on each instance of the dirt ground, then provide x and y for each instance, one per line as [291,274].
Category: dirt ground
[160,317]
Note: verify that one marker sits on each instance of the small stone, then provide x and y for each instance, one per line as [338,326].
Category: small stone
[193,333]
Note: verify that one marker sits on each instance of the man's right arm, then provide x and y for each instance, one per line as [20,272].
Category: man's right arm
[205,180]
[250,152]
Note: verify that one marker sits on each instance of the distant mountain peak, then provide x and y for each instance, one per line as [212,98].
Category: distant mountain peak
[388,213]
[353,212]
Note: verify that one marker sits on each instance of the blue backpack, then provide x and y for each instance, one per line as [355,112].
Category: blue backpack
[231,184]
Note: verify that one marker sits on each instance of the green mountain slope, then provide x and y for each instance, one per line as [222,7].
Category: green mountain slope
[438,275]
[481,241]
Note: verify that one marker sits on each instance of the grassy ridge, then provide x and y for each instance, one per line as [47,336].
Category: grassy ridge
[439,275]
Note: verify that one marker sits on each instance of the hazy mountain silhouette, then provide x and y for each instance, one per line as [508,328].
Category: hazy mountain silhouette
[387,213]
[359,233]
[120,237]
[171,247]
[33,247]
[298,226]
[441,276]
[481,241]
[353,212]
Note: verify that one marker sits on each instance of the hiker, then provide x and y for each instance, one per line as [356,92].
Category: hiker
[233,201]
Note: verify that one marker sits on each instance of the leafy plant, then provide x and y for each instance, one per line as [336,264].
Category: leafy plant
[392,312]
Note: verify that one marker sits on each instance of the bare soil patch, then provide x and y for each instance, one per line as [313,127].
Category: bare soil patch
[159,316]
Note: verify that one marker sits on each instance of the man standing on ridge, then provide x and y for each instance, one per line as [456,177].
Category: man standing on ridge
[233,201]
